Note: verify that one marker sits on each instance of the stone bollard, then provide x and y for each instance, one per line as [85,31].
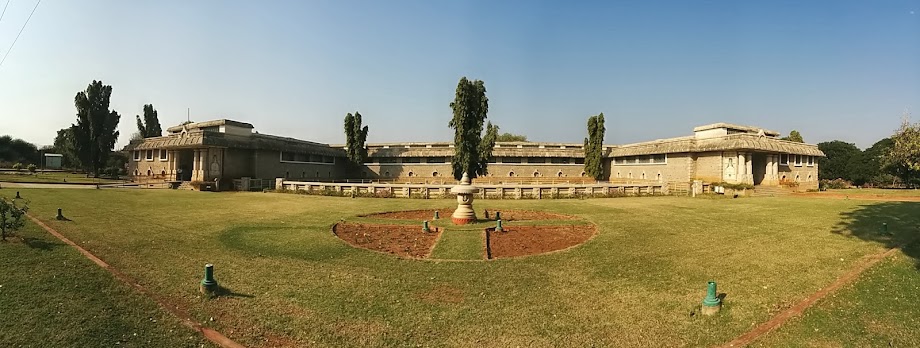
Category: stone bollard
[17,195]
[60,215]
[885,227]
[437,215]
[208,284]
[499,226]
[711,304]
[486,213]
[425,226]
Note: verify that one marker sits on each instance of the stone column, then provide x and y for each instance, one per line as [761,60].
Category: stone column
[749,168]
[741,168]
[196,165]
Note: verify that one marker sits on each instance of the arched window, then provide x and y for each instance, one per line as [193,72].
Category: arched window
[559,174]
[149,172]
[809,177]
[136,173]
[583,174]
[796,178]
[659,176]
[163,172]
[317,174]
[411,174]
[618,174]
[643,175]
[386,174]
[511,174]
[629,175]
[536,174]
[303,174]
[287,175]
[434,174]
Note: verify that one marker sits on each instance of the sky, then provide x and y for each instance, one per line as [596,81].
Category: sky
[847,70]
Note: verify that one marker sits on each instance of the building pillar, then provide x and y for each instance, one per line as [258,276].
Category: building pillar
[741,175]
[749,169]
[196,165]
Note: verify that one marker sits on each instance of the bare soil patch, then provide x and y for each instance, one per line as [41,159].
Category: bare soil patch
[442,294]
[405,241]
[507,215]
[532,240]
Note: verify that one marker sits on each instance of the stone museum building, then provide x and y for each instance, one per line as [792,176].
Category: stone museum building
[221,151]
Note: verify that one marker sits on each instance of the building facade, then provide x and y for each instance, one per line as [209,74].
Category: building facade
[225,150]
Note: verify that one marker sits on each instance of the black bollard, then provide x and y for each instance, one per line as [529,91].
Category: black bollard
[60,215]
[17,195]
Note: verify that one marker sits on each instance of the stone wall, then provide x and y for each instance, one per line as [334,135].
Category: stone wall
[675,168]
[708,167]
[496,170]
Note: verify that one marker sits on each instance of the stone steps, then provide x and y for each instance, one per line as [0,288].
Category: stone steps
[771,191]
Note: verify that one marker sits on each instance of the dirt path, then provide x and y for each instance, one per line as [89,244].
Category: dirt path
[798,308]
[208,333]
[869,197]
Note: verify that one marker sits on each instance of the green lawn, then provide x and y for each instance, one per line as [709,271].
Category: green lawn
[53,177]
[51,296]
[634,284]
[877,192]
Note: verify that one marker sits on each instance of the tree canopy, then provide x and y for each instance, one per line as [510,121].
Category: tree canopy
[96,131]
[795,136]
[594,145]
[839,155]
[149,126]
[355,139]
[470,110]
[17,150]
[903,156]
[511,137]
[64,144]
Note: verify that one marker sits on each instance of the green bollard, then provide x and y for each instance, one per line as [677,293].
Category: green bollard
[208,284]
[712,303]
[499,226]
[498,215]
[425,226]
[436,215]
[885,228]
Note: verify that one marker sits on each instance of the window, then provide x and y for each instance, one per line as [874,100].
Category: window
[578,160]
[660,158]
[163,154]
[559,174]
[511,159]
[434,174]
[536,174]
[559,160]
[784,160]
[811,161]
[437,160]
[137,156]
[412,160]
[646,159]
[798,160]
[536,160]
[387,159]
[149,155]
[511,174]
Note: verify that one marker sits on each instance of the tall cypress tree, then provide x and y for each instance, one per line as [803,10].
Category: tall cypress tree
[96,130]
[470,109]
[594,146]
[355,138]
[149,126]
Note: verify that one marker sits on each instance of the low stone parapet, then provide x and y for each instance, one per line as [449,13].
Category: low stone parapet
[486,191]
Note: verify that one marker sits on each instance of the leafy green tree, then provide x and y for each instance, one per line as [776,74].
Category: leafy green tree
[355,139]
[11,217]
[470,110]
[65,145]
[150,125]
[96,131]
[507,137]
[594,146]
[486,146]
[902,159]
[795,136]
[17,150]
[835,165]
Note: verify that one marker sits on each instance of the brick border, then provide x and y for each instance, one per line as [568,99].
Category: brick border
[211,334]
[797,310]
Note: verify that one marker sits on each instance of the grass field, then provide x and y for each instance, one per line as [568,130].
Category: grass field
[53,177]
[877,192]
[634,284]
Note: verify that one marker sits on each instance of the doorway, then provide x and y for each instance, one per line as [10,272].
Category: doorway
[184,165]
[759,167]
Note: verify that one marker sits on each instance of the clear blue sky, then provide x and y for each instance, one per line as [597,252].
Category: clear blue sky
[831,69]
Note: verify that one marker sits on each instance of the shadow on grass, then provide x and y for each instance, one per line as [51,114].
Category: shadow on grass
[282,241]
[41,244]
[226,292]
[868,222]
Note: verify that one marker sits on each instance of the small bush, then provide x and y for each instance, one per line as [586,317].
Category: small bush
[17,166]
[32,168]
[735,186]
[11,217]
[836,184]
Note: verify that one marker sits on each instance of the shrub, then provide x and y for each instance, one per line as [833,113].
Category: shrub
[17,166]
[735,186]
[32,168]
[835,184]
[11,217]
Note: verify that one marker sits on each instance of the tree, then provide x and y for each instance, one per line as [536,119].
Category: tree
[486,146]
[355,138]
[511,137]
[11,217]
[96,130]
[150,126]
[470,110]
[594,146]
[17,150]
[795,136]
[838,154]
[902,159]
[64,144]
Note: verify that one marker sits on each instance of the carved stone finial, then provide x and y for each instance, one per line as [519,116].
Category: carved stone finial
[465,180]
